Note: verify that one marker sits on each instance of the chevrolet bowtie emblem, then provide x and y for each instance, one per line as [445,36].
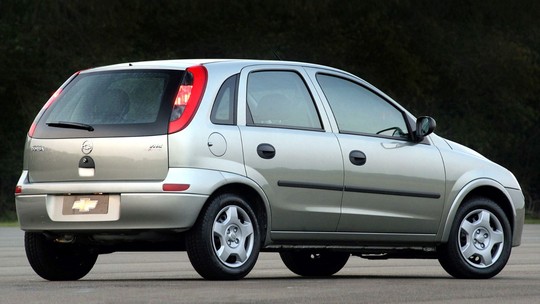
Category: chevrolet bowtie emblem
[84,204]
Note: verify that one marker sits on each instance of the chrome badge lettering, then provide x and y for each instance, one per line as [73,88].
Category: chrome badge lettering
[84,204]
[37,149]
[87,147]
[154,147]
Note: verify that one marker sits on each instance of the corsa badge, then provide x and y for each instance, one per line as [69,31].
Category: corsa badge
[84,205]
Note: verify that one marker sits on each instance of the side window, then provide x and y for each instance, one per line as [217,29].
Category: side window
[280,99]
[224,109]
[359,110]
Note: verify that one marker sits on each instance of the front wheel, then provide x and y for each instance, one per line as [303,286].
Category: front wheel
[480,241]
[57,262]
[224,243]
[314,264]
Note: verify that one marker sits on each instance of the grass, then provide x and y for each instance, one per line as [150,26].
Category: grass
[532,220]
[9,224]
[9,219]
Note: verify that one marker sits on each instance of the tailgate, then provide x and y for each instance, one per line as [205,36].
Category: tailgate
[105,126]
[99,159]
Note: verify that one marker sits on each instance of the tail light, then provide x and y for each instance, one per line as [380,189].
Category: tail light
[49,102]
[188,98]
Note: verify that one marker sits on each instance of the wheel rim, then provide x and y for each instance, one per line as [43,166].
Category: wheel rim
[481,238]
[233,236]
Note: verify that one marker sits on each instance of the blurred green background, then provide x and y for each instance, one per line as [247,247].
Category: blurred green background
[472,65]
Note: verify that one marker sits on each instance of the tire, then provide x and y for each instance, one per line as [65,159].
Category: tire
[57,262]
[480,241]
[314,264]
[224,243]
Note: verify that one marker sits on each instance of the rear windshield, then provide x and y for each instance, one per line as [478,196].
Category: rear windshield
[114,103]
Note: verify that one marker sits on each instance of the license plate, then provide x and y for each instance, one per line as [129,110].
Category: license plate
[85,204]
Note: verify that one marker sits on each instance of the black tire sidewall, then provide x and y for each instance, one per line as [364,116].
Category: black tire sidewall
[451,258]
[199,241]
[302,264]
[57,262]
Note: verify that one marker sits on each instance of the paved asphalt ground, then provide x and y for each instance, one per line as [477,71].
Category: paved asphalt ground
[169,278]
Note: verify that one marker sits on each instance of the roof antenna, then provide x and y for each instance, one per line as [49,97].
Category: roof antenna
[276,54]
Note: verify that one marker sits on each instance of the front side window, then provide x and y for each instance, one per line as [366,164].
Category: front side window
[359,110]
[280,99]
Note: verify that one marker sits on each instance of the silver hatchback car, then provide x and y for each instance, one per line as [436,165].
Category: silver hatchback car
[227,158]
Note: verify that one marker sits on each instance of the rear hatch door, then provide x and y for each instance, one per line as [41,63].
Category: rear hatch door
[105,126]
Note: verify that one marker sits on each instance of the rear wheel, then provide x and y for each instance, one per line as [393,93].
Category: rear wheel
[57,262]
[314,264]
[480,241]
[224,243]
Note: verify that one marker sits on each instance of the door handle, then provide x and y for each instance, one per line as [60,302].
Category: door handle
[357,158]
[266,151]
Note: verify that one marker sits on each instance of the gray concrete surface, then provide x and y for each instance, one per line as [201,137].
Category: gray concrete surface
[169,278]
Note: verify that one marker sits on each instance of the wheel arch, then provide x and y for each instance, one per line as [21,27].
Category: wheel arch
[487,188]
[254,197]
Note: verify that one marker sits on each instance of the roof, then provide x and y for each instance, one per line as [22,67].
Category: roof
[185,63]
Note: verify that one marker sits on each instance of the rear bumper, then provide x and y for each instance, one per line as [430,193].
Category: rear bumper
[135,205]
[136,211]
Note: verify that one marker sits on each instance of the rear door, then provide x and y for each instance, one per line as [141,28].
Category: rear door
[108,125]
[288,151]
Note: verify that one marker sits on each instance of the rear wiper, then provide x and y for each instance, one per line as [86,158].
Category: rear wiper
[70,125]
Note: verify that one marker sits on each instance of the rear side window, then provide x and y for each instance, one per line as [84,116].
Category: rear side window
[280,99]
[224,109]
[117,103]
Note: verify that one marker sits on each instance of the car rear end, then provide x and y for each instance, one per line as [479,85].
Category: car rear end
[97,155]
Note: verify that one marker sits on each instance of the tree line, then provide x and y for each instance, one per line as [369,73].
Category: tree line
[472,65]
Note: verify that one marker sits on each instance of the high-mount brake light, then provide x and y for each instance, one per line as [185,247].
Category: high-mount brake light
[49,102]
[188,98]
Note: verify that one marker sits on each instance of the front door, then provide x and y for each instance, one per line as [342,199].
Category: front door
[392,184]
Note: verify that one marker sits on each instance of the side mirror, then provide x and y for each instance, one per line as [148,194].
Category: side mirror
[425,125]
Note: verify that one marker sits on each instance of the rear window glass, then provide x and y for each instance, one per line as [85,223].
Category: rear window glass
[117,103]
